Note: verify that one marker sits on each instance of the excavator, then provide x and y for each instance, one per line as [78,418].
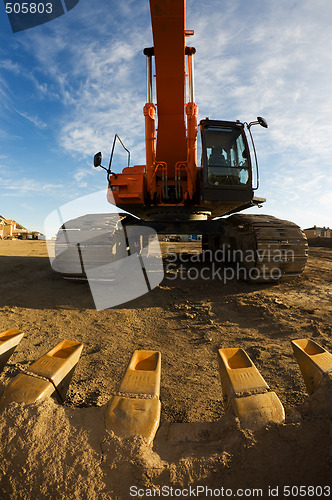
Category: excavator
[172,193]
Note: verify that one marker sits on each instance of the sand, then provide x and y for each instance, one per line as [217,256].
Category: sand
[58,451]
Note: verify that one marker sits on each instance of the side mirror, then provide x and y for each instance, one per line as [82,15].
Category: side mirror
[97,159]
[262,122]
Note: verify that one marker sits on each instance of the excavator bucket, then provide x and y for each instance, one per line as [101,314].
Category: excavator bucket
[315,363]
[135,410]
[246,394]
[9,340]
[50,374]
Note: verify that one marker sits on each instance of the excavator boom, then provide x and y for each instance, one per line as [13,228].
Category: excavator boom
[168,30]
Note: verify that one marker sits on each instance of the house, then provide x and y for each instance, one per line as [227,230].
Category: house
[7,227]
[10,229]
[21,232]
[318,232]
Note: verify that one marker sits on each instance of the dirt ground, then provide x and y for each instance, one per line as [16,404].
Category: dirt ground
[63,452]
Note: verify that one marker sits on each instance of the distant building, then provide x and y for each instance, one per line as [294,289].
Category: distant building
[10,229]
[318,232]
[7,227]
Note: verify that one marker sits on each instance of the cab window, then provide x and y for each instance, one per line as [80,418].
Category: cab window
[226,156]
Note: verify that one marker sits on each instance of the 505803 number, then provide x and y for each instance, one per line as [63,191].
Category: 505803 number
[28,8]
[307,491]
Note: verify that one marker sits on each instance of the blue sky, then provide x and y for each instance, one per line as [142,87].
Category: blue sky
[68,86]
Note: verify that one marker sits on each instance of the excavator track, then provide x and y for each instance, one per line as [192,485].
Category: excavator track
[88,242]
[269,249]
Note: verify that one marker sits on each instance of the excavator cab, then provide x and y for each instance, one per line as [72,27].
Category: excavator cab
[226,162]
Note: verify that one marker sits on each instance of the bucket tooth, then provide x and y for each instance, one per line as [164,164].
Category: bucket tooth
[135,410]
[143,374]
[58,365]
[26,389]
[51,373]
[315,363]
[239,374]
[9,339]
[133,416]
[245,391]
[257,410]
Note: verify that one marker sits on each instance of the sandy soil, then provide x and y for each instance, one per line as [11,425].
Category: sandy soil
[53,451]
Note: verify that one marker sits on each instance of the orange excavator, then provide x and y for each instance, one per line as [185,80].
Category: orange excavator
[172,193]
[171,181]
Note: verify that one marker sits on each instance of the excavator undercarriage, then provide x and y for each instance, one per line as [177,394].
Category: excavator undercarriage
[264,248]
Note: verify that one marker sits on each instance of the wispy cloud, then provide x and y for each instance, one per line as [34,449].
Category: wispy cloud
[26,186]
[10,66]
[33,119]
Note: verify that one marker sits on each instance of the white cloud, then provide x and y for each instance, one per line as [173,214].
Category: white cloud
[81,174]
[33,119]
[47,187]
[26,186]
[10,66]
